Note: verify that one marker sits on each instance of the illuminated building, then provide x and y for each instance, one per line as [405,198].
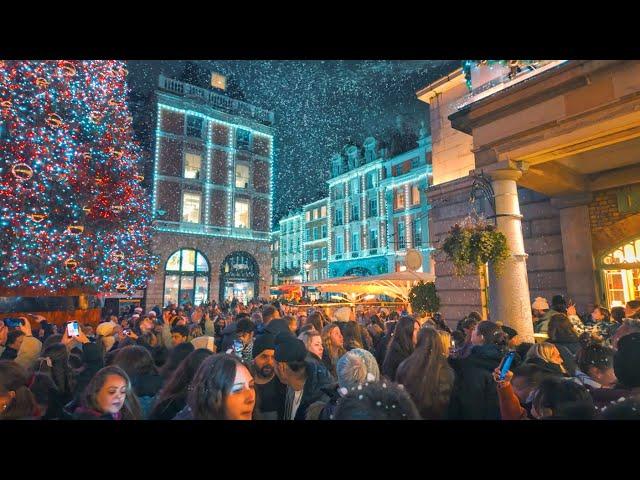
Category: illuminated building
[555,146]
[212,195]
[377,207]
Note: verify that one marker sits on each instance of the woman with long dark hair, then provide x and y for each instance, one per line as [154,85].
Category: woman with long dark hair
[563,336]
[16,400]
[222,389]
[54,361]
[173,396]
[175,358]
[138,363]
[109,396]
[427,375]
[474,395]
[401,346]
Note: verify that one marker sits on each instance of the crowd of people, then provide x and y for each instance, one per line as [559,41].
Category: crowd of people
[269,361]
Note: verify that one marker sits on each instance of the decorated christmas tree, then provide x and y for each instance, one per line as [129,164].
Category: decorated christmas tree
[72,211]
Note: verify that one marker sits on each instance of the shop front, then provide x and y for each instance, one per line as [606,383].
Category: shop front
[239,275]
[620,269]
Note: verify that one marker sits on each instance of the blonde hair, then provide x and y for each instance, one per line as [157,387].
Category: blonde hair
[545,351]
[334,351]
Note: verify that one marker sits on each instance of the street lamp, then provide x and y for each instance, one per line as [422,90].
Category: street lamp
[307,266]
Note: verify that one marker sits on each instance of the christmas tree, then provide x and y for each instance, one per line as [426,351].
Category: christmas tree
[72,211]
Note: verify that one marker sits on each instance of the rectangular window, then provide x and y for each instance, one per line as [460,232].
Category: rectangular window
[338,216]
[241,215]
[373,207]
[194,126]
[316,254]
[416,232]
[339,245]
[192,165]
[323,211]
[242,175]
[355,211]
[398,201]
[191,207]
[355,186]
[324,231]
[373,240]
[402,240]
[355,241]
[315,233]
[243,139]
[324,253]
[308,216]
[415,195]
[372,179]
[338,191]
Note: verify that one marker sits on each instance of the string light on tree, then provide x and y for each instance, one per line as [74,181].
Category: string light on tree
[74,164]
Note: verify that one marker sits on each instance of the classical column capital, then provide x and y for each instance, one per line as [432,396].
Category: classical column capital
[505,174]
[575,200]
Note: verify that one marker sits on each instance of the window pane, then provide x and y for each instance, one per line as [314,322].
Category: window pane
[243,139]
[192,165]
[188,260]
[242,176]
[171,284]
[242,214]
[202,263]
[194,126]
[191,207]
[173,264]
[323,211]
[186,289]
[202,290]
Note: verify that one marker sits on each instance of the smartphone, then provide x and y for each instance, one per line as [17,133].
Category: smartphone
[237,347]
[73,330]
[13,322]
[505,365]
[126,331]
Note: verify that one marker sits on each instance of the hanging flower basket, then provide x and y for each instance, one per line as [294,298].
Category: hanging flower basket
[475,244]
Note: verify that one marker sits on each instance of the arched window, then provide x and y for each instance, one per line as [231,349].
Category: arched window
[239,277]
[186,278]
[621,273]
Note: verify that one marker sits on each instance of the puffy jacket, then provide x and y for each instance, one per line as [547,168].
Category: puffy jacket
[474,395]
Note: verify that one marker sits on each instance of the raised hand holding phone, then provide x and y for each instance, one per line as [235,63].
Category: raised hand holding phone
[505,365]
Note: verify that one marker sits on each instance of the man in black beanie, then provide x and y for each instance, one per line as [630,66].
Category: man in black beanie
[270,391]
[306,381]
[558,305]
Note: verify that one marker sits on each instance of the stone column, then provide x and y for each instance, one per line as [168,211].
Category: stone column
[509,300]
[575,228]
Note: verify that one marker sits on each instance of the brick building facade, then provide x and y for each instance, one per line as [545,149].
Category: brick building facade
[212,196]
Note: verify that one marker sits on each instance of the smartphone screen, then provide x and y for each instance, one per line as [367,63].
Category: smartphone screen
[506,364]
[72,329]
[237,347]
[12,322]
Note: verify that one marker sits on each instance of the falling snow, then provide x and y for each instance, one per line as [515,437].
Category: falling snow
[319,107]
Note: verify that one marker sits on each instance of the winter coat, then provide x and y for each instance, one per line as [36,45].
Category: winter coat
[92,359]
[474,395]
[146,388]
[392,360]
[228,336]
[542,326]
[168,408]
[29,352]
[318,380]
[84,413]
[510,408]
[324,410]
[605,397]
[9,354]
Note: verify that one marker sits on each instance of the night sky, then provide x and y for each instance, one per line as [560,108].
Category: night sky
[319,106]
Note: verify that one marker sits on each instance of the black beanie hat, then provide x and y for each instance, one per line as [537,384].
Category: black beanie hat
[289,349]
[558,300]
[261,343]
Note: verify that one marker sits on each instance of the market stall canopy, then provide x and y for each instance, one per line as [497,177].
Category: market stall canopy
[394,284]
